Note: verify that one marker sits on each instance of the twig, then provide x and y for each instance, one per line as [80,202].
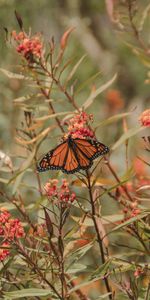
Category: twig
[36,269]
[100,242]
[117,179]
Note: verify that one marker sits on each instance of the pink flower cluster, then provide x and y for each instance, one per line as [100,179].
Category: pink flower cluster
[59,193]
[78,126]
[10,229]
[145,118]
[28,46]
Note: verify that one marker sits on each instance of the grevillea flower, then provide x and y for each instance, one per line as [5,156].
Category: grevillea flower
[59,193]
[28,46]
[145,118]
[78,126]
[10,230]
[4,250]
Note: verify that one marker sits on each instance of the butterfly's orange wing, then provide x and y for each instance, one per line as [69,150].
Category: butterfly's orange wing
[54,159]
[91,148]
[72,157]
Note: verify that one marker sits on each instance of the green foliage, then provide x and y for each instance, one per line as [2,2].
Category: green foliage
[86,237]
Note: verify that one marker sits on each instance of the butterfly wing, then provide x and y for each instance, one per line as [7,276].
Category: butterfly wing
[61,158]
[91,148]
[70,158]
[54,159]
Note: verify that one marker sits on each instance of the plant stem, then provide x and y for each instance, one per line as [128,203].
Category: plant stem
[117,179]
[36,269]
[61,261]
[100,242]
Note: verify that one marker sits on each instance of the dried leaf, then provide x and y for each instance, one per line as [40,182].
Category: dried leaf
[19,19]
[49,224]
[64,38]
[39,136]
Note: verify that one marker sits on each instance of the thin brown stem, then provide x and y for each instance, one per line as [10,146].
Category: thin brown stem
[100,241]
[36,269]
[117,179]
[50,105]
[61,250]
[61,88]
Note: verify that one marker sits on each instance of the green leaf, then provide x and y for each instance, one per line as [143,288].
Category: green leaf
[94,94]
[98,274]
[44,118]
[87,82]
[103,296]
[131,132]
[101,271]
[77,254]
[131,220]
[33,292]
[26,98]
[12,75]
[76,268]
[112,120]
[71,74]
[23,168]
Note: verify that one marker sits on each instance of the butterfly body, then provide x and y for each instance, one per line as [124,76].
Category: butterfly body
[72,155]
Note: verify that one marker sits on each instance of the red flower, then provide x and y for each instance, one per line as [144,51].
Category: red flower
[4,251]
[145,118]
[60,194]
[10,228]
[28,46]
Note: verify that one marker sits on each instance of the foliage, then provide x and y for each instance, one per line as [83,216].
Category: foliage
[85,234]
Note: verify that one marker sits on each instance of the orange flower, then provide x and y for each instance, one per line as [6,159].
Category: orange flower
[145,118]
[114,100]
[78,126]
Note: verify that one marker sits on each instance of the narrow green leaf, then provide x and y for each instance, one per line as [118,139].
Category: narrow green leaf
[12,75]
[127,135]
[76,268]
[103,296]
[101,271]
[112,120]
[101,89]
[33,292]
[128,222]
[87,82]
[23,168]
[44,118]
[98,274]
[26,98]
[71,74]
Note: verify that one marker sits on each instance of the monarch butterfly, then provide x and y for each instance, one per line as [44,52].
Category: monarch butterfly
[72,155]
